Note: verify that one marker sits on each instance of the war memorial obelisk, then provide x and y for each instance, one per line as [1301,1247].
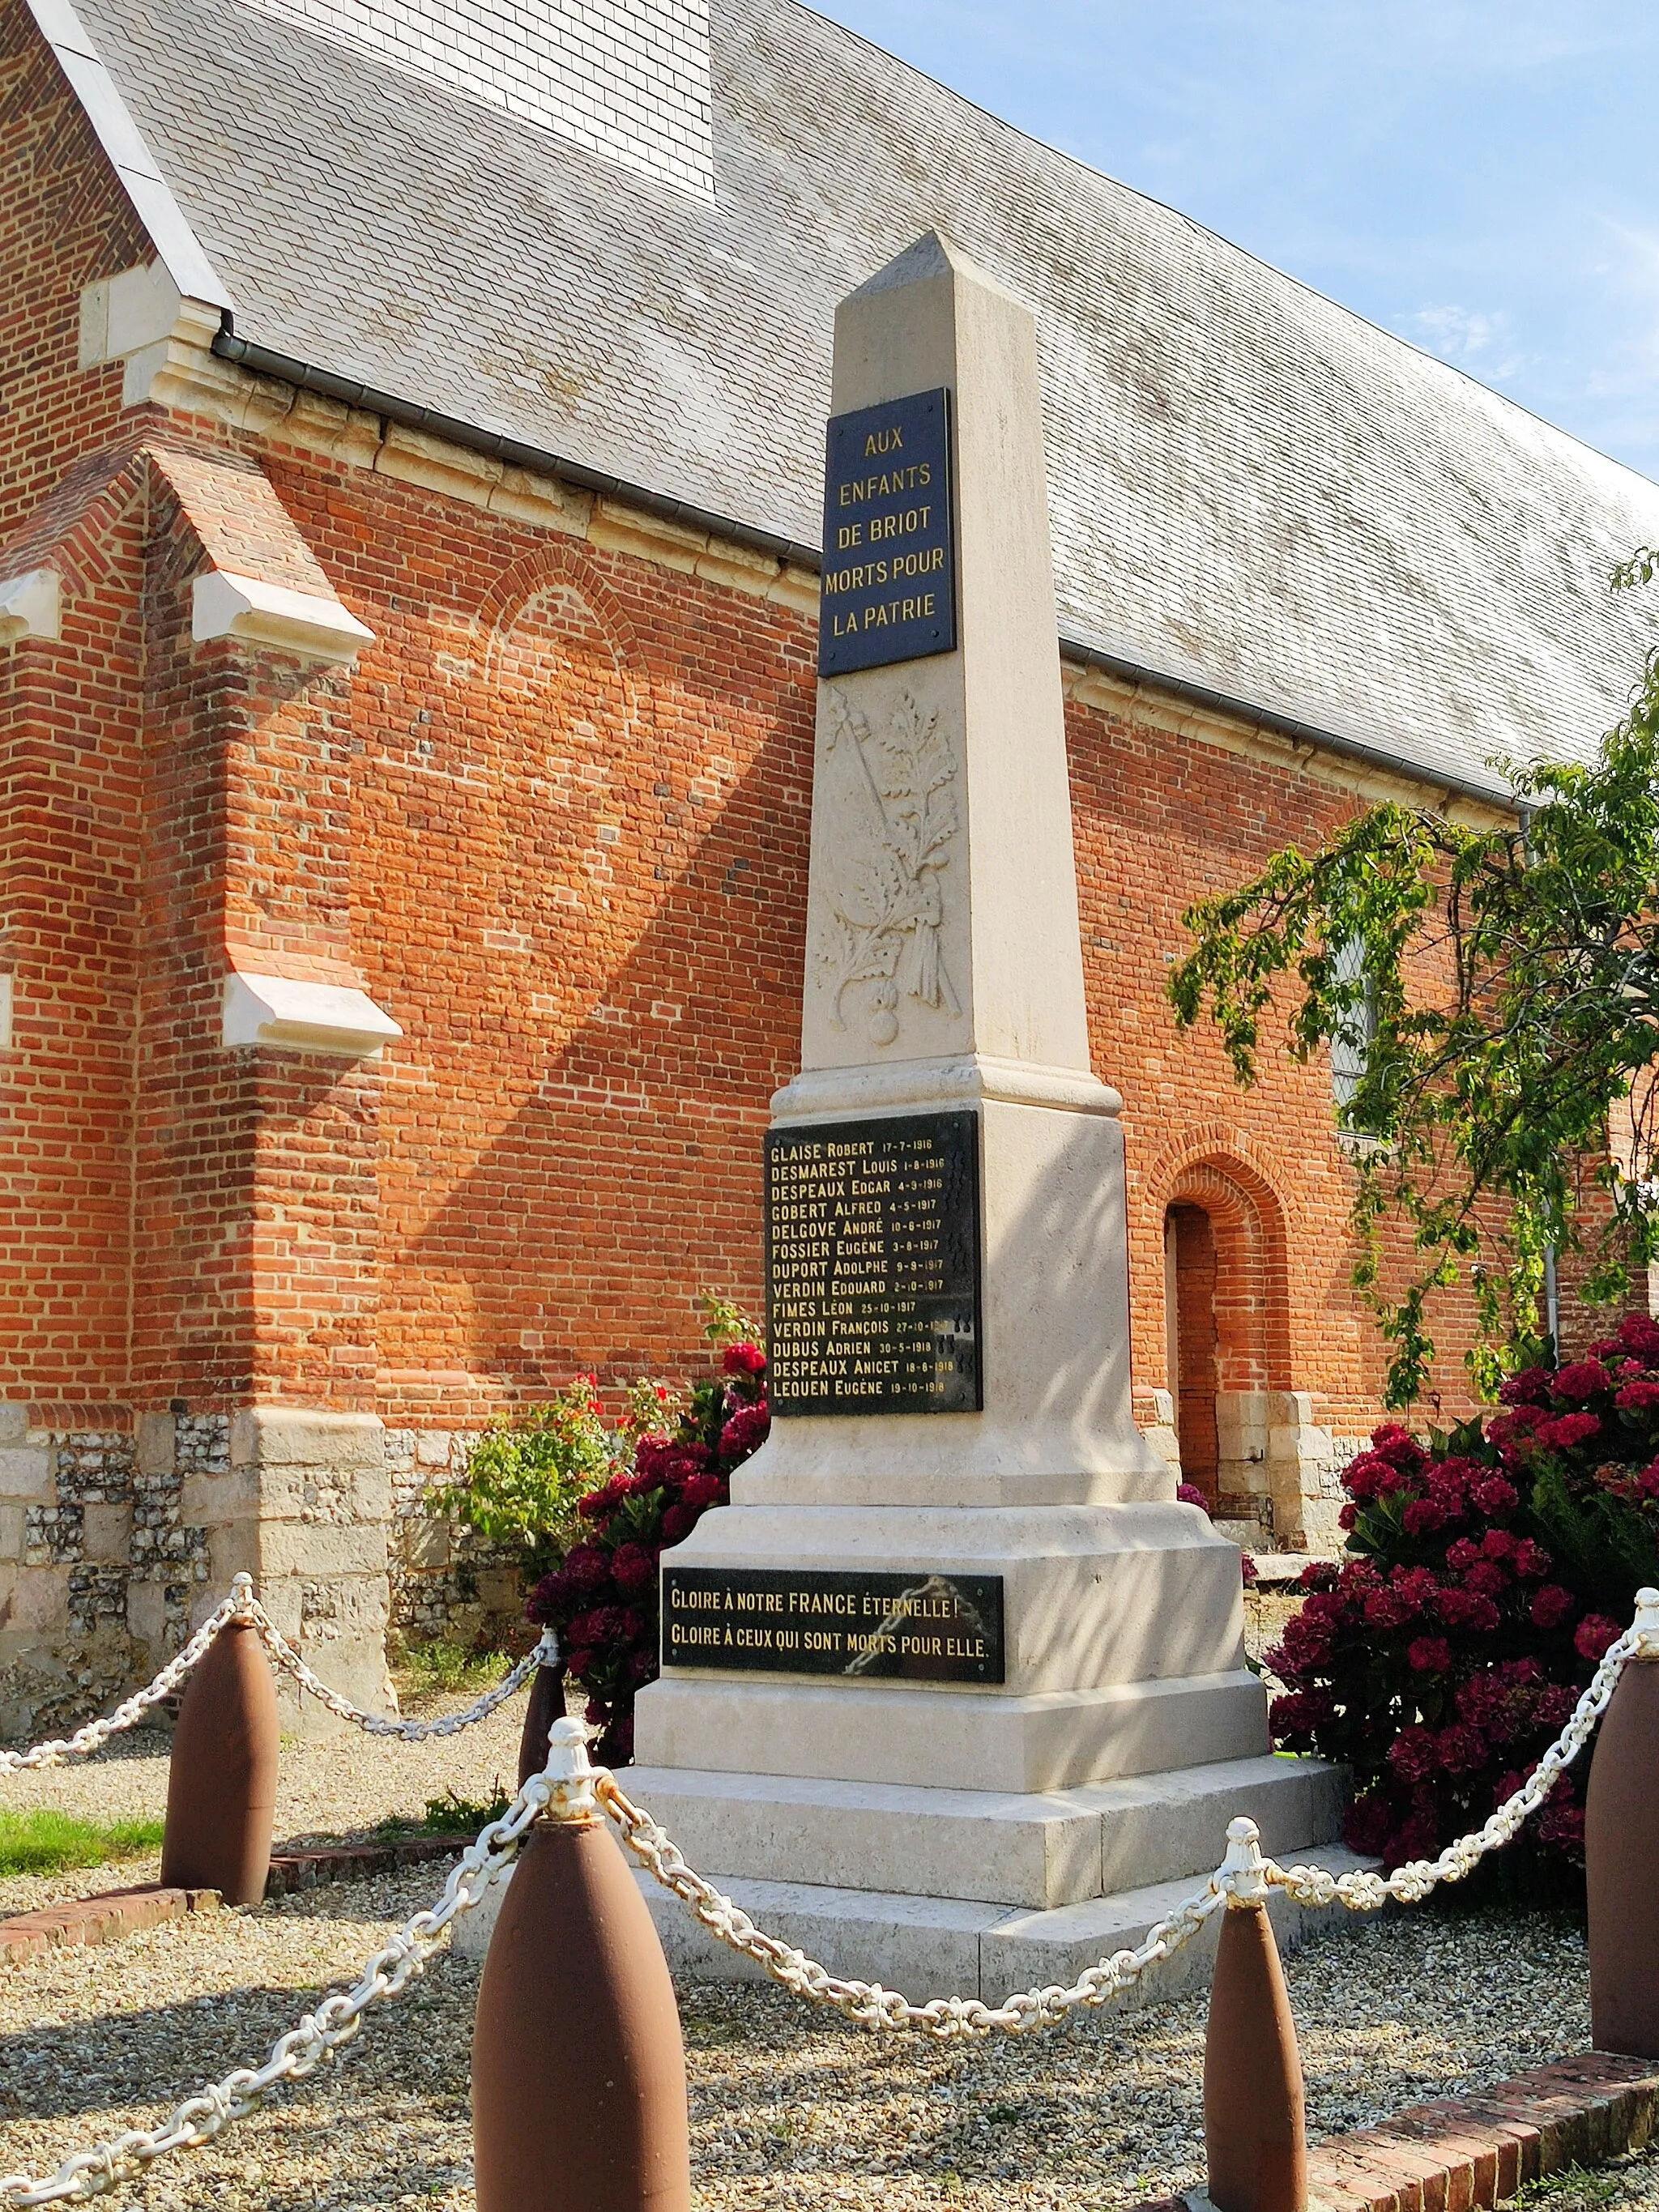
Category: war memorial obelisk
[954,1683]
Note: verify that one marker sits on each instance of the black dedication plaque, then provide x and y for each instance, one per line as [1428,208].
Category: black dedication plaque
[888,588]
[807,1620]
[873,1301]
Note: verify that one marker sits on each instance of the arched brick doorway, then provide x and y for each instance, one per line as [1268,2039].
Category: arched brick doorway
[1226,1308]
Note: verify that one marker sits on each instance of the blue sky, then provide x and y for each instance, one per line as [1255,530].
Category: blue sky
[1474,175]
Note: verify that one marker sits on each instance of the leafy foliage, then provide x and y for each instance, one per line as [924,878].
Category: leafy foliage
[1503,1002]
[527,1474]
[1486,1574]
[603,1600]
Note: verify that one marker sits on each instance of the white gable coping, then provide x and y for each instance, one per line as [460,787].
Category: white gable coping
[29,606]
[326,1017]
[192,273]
[225,605]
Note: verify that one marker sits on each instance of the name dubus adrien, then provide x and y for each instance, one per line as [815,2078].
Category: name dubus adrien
[804,1621]
[888,591]
[872,1288]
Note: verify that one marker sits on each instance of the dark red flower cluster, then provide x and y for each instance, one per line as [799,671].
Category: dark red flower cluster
[603,1600]
[1484,1580]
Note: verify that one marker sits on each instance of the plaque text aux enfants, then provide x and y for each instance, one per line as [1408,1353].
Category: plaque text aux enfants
[887,590]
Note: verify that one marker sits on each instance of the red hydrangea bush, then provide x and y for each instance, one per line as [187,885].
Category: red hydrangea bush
[1486,1573]
[602,1602]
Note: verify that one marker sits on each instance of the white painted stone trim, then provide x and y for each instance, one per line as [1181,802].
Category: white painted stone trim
[325,1017]
[134,164]
[6,988]
[224,604]
[29,606]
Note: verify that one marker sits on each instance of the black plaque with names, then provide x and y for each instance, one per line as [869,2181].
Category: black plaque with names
[808,1621]
[873,1292]
[887,590]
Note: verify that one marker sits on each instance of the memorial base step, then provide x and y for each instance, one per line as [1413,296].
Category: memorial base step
[951,1947]
[1043,1849]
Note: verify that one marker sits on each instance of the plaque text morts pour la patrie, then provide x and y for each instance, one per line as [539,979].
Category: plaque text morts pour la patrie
[887,590]
[873,1266]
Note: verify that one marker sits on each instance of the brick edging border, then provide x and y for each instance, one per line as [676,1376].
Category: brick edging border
[117,1913]
[1459,2154]
[103,1919]
[304,1870]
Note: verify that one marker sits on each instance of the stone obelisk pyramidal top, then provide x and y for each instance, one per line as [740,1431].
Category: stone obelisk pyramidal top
[995,965]
[948,1276]
[943,962]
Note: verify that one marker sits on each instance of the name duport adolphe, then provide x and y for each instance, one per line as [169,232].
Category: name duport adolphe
[887,590]
[873,1266]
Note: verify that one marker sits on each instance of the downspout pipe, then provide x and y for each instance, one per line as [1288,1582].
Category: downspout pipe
[286,368]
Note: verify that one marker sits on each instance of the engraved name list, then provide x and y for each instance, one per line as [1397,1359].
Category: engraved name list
[873,1266]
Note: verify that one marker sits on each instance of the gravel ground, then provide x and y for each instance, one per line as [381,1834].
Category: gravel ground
[336,1787]
[789,2108]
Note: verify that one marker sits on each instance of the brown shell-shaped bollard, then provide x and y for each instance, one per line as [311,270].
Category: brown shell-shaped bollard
[546,1705]
[1255,2130]
[1621,1850]
[222,1779]
[578,2066]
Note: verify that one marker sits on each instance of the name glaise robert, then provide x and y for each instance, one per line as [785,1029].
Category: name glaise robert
[888,591]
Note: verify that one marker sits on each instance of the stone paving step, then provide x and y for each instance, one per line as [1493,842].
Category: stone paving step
[1042,1849]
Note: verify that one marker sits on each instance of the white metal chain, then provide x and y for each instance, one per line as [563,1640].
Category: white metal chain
[570,1788]
[868,2002]
[98,1733]
[545,1654]
[1243,1874]
[242,1605]
[386,1976]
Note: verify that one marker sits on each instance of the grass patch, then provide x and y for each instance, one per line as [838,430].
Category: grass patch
[449,1669]
[448,1815]
[1572,2187]
[44,1842]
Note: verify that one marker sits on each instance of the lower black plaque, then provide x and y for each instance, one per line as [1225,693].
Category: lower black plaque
[808,1621]
[873,1266]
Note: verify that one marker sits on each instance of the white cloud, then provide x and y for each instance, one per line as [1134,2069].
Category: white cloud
[1482,343]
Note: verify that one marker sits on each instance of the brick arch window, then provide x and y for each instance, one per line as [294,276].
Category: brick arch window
[1226,1305]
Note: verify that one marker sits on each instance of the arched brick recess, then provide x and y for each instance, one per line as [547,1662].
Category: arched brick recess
[1214,1169]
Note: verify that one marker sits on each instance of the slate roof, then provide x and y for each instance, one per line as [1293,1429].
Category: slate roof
[1254,491]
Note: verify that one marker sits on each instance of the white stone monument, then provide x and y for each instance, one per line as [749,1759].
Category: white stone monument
[945,1829]
[954,1692]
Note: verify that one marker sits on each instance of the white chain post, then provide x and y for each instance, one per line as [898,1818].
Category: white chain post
[1645,1626]
[98,1733]
[569,1772]
[336,2020]
[1242,1873]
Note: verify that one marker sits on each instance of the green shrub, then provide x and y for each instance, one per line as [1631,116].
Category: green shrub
[526,1475]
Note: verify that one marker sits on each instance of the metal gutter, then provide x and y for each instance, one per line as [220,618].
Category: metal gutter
[264,362]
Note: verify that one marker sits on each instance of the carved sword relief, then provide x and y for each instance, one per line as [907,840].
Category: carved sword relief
[887,902]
